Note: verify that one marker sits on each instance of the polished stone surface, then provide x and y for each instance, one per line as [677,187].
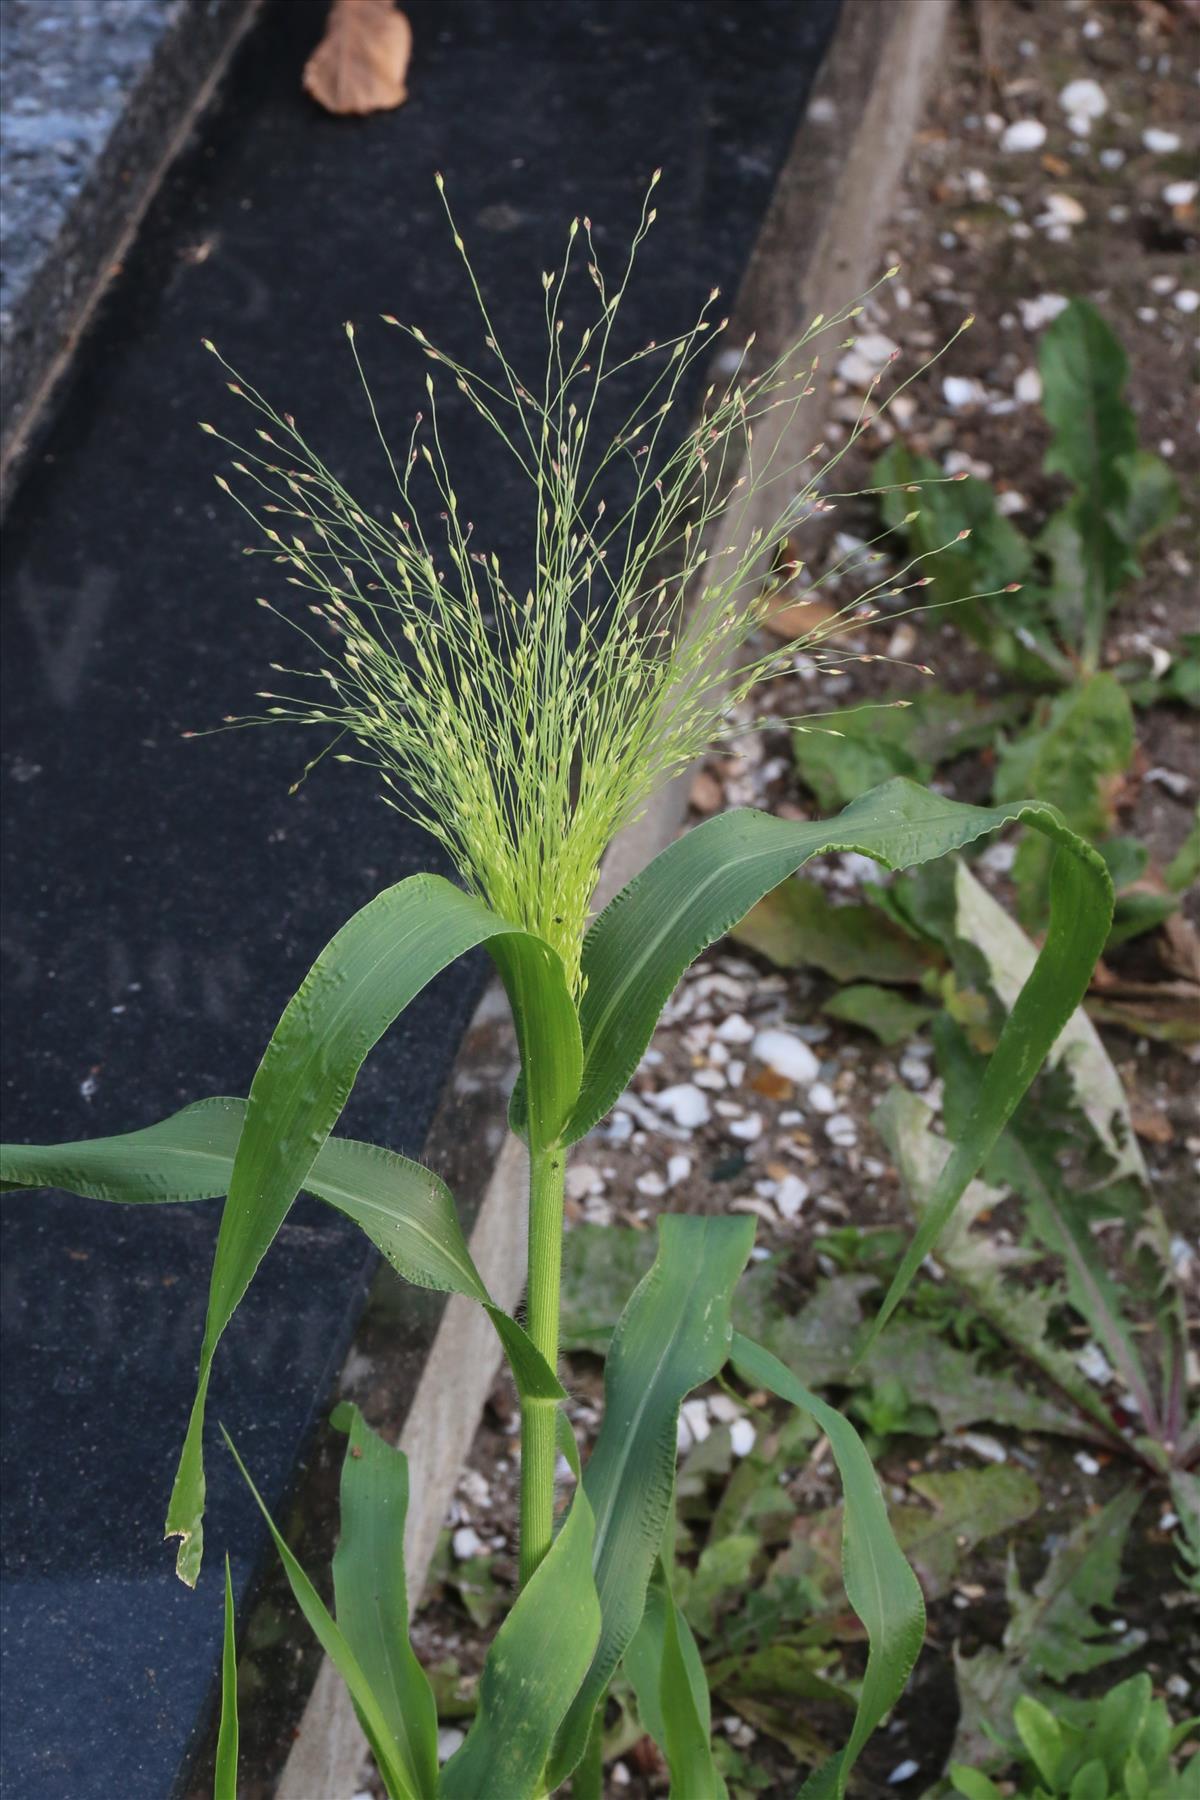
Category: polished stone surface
[92,91]
[165,897]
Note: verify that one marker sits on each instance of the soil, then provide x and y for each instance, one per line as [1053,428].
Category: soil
[977,230]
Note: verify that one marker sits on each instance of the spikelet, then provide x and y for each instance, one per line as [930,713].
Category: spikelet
[523,733]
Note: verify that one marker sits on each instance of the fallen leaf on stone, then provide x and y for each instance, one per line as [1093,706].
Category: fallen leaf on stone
[706,794]
[771,1085]
[1181,947]
[360,64]
[1152,1125]
[799,619]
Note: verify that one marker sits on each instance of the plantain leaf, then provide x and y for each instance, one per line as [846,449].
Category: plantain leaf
[533,1670]
[880,1586]
[674,1334]
[371,1597]
[333,1641]
[359,984]
[225,1773]
[663,1663]
[1123,494]
[1071,754]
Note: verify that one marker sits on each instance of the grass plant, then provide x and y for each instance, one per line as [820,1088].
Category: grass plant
[523,721]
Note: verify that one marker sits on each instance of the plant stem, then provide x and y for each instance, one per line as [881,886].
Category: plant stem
[547,1169]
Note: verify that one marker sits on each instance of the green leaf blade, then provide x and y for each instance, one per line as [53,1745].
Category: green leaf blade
[185,1157]
[673,1335]
[371,1595]
[663,1662]
[707,881]
[362,981]
[335,1645]
[406,1210]
[533,1671]
[879,1583]
[226,1770]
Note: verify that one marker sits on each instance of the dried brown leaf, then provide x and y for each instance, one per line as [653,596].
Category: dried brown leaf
[1151,1124]
[360,64]
[706,794]
[799,618]
[1180,947]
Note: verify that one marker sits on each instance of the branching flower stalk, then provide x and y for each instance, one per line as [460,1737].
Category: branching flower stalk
[523,730]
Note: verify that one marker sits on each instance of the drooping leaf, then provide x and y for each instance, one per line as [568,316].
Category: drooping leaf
[880,1586]
[358,986]
[673,1335]
[982,921]
[702,884]
[226,1768]
[335,1645]
[885,1014]
[533,1671]
[797,925]
[406,1210]
[371,1595]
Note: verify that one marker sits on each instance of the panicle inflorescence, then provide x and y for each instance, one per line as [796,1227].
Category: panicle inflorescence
[524,729]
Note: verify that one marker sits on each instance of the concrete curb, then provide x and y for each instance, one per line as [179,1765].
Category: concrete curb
[816,249]
[132,84]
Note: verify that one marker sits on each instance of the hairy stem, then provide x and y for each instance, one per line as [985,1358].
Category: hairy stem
[538,1456]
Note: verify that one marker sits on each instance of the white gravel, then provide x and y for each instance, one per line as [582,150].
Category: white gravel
[787,1055]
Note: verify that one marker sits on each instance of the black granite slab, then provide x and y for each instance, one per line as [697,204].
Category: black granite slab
[92,93]
[164,898]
